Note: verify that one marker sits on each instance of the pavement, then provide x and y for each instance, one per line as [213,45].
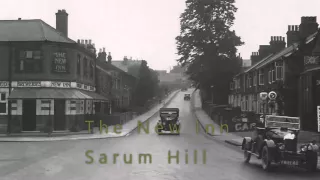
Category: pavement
[200,157]
[97,134]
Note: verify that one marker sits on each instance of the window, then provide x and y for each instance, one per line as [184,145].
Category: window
[255,79]
[29,61]
[85,67]
[273,75]
[269,76]
[261,77]
[244,82]
[231,86]
[3,103]
[91,69]
[250,81]
[78,64]
[279,70]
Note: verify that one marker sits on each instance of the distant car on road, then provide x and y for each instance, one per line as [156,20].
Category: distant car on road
[276,142]
[187,97]
[184,89]
[169,121]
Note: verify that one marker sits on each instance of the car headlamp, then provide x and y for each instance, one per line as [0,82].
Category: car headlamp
[304,148]
[281,147]
[313,147]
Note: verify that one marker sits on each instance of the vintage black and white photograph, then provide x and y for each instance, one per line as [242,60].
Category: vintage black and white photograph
[160,90]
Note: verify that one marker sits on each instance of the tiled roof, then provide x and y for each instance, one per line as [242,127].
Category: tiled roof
[285,52]
[30,30]
[121,65]
[107,67]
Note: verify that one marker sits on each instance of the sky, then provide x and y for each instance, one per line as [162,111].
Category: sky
[146,29]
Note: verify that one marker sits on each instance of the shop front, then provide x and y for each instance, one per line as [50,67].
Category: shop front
[52,106]
[309,94]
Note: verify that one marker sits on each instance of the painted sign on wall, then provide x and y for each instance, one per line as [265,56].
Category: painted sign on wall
[318,115]
[59,62]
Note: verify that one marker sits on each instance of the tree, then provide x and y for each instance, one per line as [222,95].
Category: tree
[134,70]
[208,45]
[147,84]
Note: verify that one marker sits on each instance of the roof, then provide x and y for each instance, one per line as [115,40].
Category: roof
[106,66]
[30,30]
[121,65]
[285,52]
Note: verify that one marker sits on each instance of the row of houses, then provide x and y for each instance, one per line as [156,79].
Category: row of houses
[48,80]
[291,69]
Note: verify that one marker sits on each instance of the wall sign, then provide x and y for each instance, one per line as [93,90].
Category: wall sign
[311,61]
[53,84]
[28,84]
[61,84]
[4,84]
[59,62]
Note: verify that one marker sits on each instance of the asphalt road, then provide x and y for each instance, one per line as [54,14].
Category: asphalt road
[67,160]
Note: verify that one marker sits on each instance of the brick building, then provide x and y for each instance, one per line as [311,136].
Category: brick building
[113,83]
[46,78]
[291,71]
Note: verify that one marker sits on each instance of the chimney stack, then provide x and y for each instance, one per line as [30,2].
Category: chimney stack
[62,22]
[254,58]
[104,50]
[78,41]
[308,26]
[292,34]
[109,57]
[277,43]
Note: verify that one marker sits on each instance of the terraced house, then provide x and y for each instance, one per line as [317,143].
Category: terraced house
[292,71]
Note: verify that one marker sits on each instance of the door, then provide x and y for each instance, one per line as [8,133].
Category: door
[29,115]
[59,115]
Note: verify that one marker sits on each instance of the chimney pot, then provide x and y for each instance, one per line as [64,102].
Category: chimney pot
[82,41]
[100,50]
[19,18]
[86,42]
[109,53]
[90,41]
[78,41]
[104,49]
[93,45]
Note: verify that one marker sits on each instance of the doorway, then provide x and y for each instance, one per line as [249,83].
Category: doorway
[59,115]
[29,115]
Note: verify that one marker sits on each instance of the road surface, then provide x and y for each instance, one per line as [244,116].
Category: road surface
[67,159]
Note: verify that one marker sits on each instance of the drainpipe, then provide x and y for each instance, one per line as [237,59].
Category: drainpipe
[11,58]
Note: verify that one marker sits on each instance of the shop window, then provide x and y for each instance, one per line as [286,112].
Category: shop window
[29,61]
[3,103]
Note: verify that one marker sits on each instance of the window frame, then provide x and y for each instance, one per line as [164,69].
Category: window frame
[23,62]
[5,102]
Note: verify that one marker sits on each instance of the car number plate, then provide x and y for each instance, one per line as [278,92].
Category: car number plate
[292,163]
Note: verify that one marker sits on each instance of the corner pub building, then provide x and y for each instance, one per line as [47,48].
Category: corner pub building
[46,78]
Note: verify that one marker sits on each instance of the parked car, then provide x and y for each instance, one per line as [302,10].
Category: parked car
[277,143]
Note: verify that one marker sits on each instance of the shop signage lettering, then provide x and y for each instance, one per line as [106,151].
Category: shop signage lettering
[244,126]
[91,88]
[85,87]
[4,84]
[311,60]
[79,85]
[61,84]
[28,84]
[59,62]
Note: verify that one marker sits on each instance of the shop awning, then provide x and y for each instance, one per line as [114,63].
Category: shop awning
[94,95]
[48,93]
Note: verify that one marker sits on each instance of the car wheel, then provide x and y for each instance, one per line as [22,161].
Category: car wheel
[311,161]
[266,162]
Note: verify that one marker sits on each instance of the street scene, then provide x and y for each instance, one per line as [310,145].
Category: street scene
[210,89]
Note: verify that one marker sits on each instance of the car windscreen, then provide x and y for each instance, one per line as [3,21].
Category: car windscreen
[165,114]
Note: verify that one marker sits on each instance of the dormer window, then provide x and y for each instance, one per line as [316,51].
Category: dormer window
[279,70]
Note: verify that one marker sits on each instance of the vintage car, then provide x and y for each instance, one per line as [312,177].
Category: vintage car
[187,97]
[169,121]
[276,142]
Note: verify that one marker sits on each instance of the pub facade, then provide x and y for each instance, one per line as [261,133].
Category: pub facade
[47,81]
